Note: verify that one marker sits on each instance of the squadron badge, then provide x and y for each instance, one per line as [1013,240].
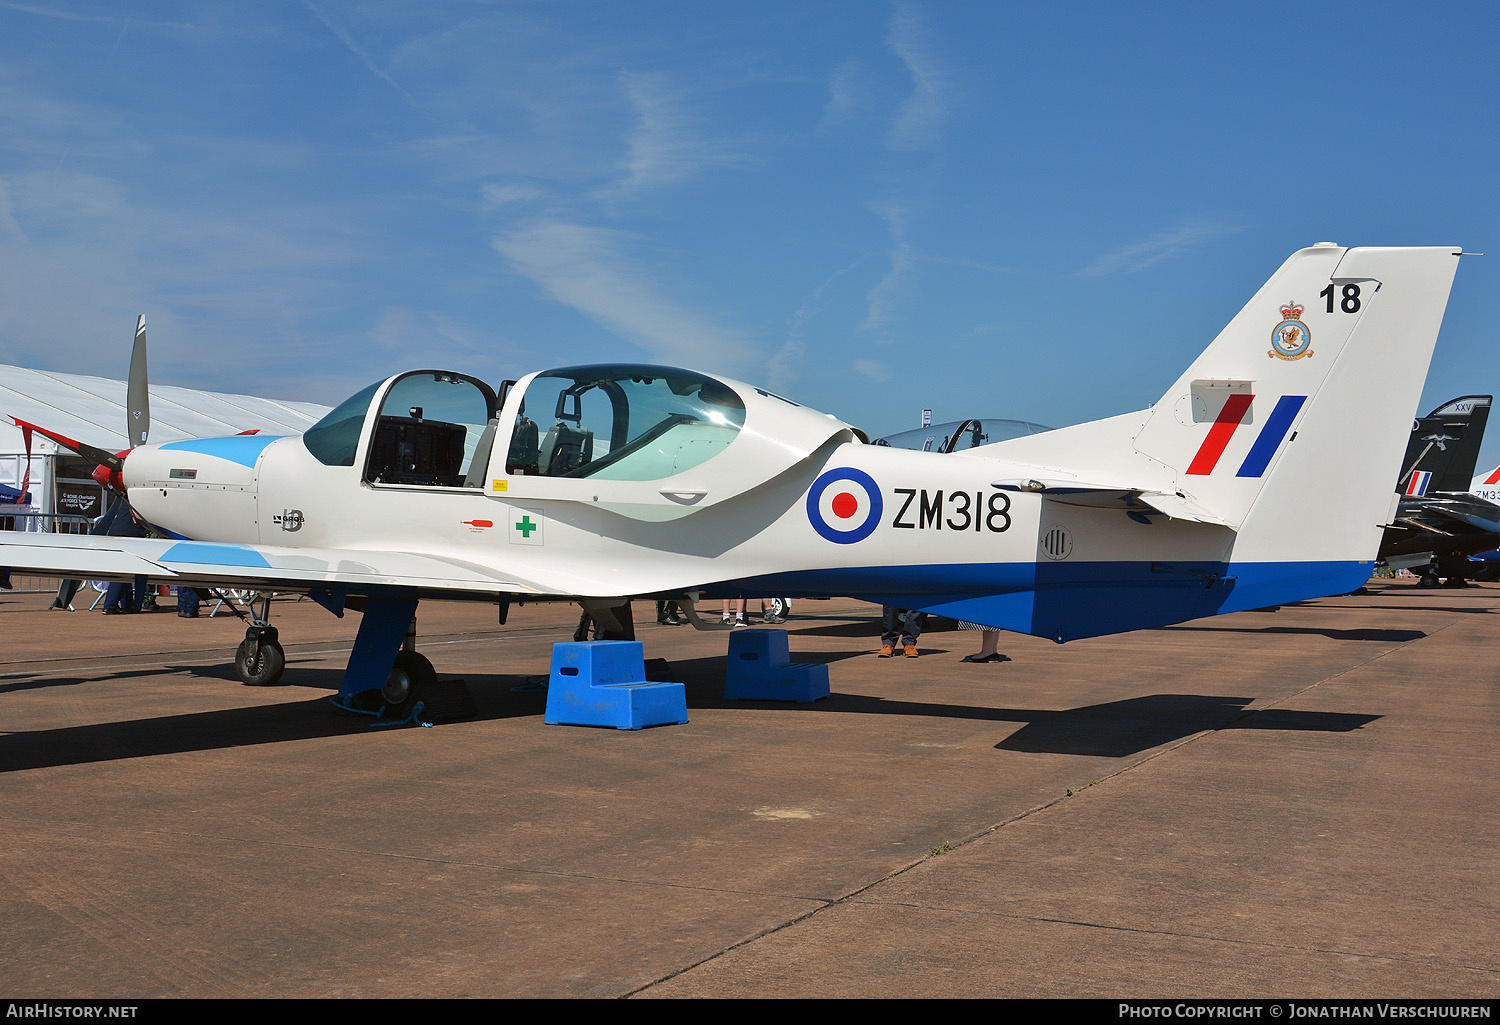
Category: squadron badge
[1291,338]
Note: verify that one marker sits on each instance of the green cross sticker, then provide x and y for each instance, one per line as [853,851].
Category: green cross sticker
[528,531]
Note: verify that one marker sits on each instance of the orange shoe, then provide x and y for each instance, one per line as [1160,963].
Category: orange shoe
[911,651]
[887,650]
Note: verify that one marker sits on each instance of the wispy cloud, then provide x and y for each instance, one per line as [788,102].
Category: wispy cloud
[85,255]
[845,98]
[785,366]
[397,329]
[358,51]
[588,269]
[496,196]
[920,118]
[10,230]
[882,300]
[1164,245]
[669,143]
[53,11]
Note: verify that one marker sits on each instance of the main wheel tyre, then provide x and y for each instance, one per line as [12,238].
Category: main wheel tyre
[410,676]
[260,668]
[779,607]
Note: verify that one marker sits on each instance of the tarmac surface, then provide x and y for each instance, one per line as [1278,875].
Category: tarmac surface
[1283,804]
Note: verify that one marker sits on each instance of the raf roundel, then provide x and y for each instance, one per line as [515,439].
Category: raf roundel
[844,505]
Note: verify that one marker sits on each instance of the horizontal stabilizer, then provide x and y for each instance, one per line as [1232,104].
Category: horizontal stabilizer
[1069,492]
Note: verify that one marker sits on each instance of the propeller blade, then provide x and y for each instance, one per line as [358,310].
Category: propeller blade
[102,456]
[137,398]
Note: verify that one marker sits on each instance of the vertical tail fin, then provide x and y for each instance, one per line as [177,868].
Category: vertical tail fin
[1316,481]
[1443,449]
[1291,424]
[1289,428]
[1272,458]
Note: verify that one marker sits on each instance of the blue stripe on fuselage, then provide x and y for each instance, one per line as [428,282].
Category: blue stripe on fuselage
[1068,601]
[244,449]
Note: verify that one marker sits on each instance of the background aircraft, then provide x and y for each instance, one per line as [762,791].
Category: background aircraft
[1439,523]
[597,484]
[960,434]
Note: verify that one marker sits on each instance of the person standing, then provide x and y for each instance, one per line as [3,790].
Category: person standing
[122,597]
[734,611]
[187,602]
[989,643]
[903,625]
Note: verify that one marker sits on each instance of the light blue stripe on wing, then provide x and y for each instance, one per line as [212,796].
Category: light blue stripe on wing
[206,553]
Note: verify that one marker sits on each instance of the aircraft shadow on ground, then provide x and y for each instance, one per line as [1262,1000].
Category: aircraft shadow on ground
[1120,728]
[1361,634]
[840,629]
[174,734]
[272,723]
[42,681]
[1114,729]
[869,628]
[1482,609]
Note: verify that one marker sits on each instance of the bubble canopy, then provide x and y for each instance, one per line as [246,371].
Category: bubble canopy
[619,422]
[427,402]
[622,422]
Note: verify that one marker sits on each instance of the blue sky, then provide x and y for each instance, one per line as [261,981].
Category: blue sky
[1040,211]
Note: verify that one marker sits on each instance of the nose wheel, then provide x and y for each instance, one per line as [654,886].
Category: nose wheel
[260,659]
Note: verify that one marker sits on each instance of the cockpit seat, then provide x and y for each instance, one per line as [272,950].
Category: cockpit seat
[475,477]
[524,452]
[565,448]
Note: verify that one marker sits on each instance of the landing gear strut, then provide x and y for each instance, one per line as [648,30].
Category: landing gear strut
[260,659]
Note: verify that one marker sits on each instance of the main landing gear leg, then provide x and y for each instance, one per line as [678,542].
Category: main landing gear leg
[385,671]
[260,659]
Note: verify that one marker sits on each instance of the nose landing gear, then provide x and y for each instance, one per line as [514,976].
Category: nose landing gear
[260,659]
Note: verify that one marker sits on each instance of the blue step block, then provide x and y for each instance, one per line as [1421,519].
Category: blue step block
[760,669]
[603,683]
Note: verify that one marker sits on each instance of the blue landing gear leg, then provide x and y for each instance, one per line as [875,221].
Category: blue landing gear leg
[386,676]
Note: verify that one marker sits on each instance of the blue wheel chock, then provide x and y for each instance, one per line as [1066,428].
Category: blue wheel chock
[760,669]
[603,683]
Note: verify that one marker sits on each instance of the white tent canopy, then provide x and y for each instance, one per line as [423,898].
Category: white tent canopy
[92,410]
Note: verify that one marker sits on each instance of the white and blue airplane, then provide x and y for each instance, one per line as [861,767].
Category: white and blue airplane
[1262,476]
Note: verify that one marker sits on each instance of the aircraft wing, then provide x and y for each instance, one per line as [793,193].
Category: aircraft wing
[257,567]
[1072,492]
[1450,513]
